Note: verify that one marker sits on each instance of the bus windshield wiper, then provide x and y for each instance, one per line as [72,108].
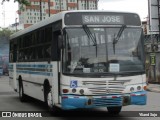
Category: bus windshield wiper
[90,36]
[116,39]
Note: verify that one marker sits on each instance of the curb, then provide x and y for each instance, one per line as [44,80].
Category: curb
[153,90]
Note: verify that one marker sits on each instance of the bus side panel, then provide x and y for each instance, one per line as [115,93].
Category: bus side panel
[33,76]
[55,70]
[12,76]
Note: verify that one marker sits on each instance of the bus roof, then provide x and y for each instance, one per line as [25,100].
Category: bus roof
[55,18]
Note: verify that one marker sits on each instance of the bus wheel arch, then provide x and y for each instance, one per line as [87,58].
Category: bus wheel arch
[22,96]
[47,93]
[48,98]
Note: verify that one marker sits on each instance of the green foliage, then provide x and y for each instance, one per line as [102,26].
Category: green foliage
[4,32]
[23,2]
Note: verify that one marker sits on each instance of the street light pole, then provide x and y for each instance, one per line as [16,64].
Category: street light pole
[40,10]
[60,5]
[49,8]
[16,24]
[77,4]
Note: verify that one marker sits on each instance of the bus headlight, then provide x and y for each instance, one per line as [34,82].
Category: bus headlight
[74,90]
[138,87]
[81,91]
[132,89]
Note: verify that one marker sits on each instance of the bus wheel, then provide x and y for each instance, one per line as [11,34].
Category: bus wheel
[114,110]
[22,96]
[49,103]
[49,100]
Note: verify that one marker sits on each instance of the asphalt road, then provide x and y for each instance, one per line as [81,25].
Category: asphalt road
[9,101]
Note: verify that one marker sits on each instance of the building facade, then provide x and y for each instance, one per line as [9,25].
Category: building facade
[41,9]
[152,41]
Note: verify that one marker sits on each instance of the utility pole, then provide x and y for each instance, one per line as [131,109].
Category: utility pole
[3,13]
[49,12]
[96,3]
[40,4]
[16,24]
[85,5]
[66,4]
[152,54]
[77,5]
[60,5]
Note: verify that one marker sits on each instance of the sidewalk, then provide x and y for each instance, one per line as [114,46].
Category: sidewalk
[4,85]
[153,87]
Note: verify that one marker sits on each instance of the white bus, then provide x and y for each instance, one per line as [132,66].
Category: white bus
[81,59]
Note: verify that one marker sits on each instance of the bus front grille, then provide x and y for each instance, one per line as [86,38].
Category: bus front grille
[107,101]
[105,87]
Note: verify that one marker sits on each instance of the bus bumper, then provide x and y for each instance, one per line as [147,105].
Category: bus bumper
[139,98]
[74,102]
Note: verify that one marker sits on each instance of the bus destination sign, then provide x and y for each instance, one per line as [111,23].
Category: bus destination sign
[102,19]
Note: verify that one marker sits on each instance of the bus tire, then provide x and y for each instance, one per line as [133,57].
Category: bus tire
[48,101]
[22,96]
[114,110]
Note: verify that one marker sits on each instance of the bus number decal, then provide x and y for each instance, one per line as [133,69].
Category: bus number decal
[73,84]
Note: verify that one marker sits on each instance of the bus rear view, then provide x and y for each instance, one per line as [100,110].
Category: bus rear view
[103,61]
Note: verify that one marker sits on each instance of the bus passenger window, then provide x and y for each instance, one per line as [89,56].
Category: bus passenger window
[11,57]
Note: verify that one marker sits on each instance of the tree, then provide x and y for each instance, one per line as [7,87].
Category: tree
[22,2]
[5,32]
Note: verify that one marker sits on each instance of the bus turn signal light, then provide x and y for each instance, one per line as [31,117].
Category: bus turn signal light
[65,90]
[145,87]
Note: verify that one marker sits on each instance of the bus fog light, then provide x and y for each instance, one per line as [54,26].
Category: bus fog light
[81,91]
[131,89]
[74,90]
[126,100]
[89,102]
[138,87]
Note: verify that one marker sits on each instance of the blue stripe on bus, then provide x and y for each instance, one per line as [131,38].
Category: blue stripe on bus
[34,66]
[40,66]
[35,73]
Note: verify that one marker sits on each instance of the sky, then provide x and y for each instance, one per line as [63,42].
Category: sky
[8,9]
[137,6]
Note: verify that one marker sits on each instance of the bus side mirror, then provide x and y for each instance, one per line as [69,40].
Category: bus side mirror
[60,41]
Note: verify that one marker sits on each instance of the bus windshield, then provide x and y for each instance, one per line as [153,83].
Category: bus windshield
[100,54]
